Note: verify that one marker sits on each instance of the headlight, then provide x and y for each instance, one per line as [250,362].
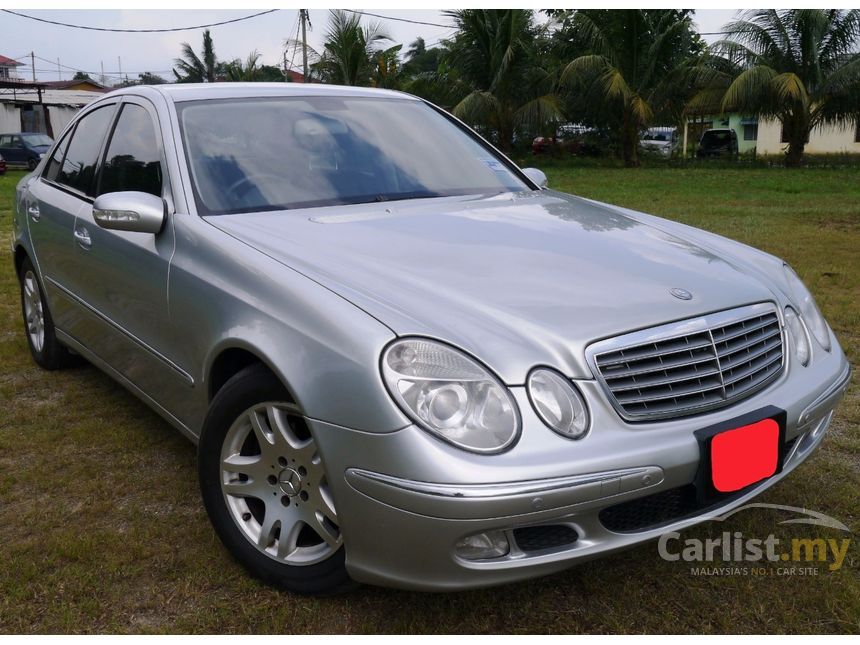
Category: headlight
[808,309]
[41,155]
[450,394]
[797,331]
[558,404]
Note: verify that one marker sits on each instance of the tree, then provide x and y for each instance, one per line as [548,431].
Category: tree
[148,78]
[800,66]
[493,75]
[386,68]
[350,50]
[420,60]
[197,69]
[251,70]
[81,76]
[634,68]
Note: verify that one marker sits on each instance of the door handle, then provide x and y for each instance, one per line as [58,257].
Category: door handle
[82,236]
[34,213]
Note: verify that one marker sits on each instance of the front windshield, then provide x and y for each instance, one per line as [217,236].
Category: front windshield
[297,152]
[34,140]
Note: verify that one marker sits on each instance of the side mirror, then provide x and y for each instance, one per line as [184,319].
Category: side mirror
[537,176]
[130,211]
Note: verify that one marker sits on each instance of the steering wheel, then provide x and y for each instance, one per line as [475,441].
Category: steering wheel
[249,179]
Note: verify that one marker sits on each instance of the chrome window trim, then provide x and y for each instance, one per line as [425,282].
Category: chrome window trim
[680,329]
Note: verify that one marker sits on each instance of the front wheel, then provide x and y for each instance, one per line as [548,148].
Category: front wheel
[31,164]
[265,488]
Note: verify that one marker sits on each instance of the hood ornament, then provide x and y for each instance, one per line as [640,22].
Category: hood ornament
[681,294]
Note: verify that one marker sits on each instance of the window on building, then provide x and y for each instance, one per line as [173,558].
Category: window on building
[750,131]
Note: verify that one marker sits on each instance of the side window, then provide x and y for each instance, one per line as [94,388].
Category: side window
[5,141]
[133,160]
[79,166]
[56,159]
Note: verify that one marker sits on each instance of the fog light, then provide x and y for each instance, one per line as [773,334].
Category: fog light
[482,546]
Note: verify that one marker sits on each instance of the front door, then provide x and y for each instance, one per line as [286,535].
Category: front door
[121,275]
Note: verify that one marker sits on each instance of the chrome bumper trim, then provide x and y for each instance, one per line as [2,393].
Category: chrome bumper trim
[478,501]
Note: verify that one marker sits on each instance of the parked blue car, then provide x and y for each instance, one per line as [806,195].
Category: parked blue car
[24,148]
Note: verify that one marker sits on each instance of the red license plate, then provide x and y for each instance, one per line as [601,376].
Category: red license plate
[745,455]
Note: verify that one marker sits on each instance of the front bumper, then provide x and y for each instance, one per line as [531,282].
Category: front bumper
[405,499]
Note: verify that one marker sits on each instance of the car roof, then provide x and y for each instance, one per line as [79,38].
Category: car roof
[178,92]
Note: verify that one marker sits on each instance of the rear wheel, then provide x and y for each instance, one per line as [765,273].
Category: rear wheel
[46,350]
[265,488]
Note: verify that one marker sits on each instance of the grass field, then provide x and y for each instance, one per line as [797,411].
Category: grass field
[102,528]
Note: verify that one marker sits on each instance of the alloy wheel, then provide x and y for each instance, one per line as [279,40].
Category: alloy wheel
[275,487]
[34,315]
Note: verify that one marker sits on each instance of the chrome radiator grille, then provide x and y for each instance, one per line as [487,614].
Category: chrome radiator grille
[717,360]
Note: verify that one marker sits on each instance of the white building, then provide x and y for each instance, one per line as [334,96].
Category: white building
[827,139]
[27,107]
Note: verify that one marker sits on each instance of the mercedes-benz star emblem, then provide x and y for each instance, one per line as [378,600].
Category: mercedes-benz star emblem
[290,481]
[681,294]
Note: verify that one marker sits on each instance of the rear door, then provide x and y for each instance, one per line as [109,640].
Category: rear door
[65,186]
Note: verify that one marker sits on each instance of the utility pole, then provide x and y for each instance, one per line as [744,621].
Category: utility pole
[102,77]
[33,65]
[303,16]
[119,62]
[59,73]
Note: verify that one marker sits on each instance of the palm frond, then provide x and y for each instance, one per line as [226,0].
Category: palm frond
[752,89]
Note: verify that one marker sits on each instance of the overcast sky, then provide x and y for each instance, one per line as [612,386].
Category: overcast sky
[154,52]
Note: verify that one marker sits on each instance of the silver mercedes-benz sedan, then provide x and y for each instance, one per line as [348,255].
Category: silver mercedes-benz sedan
[404,360]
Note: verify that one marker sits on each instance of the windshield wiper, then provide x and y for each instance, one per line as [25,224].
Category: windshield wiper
[418,194]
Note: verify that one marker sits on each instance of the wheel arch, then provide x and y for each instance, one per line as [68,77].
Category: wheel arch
[230,359]
[21,254]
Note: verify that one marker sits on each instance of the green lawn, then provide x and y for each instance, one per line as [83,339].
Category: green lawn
[102,528]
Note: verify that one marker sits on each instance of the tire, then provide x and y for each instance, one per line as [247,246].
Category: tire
[31,164]
[261,478]
[39,330]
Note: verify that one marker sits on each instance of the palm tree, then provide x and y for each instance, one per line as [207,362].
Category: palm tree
[349,49]
[800,66]
[635,63]
[194,69]
[492,73]
[416,48]
[386,68]
[251,70]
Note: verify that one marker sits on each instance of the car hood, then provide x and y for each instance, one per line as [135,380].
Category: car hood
[517,280]
[39,149]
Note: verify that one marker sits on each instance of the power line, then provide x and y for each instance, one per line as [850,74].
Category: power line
[54,65]
[138,31]
[414,22]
